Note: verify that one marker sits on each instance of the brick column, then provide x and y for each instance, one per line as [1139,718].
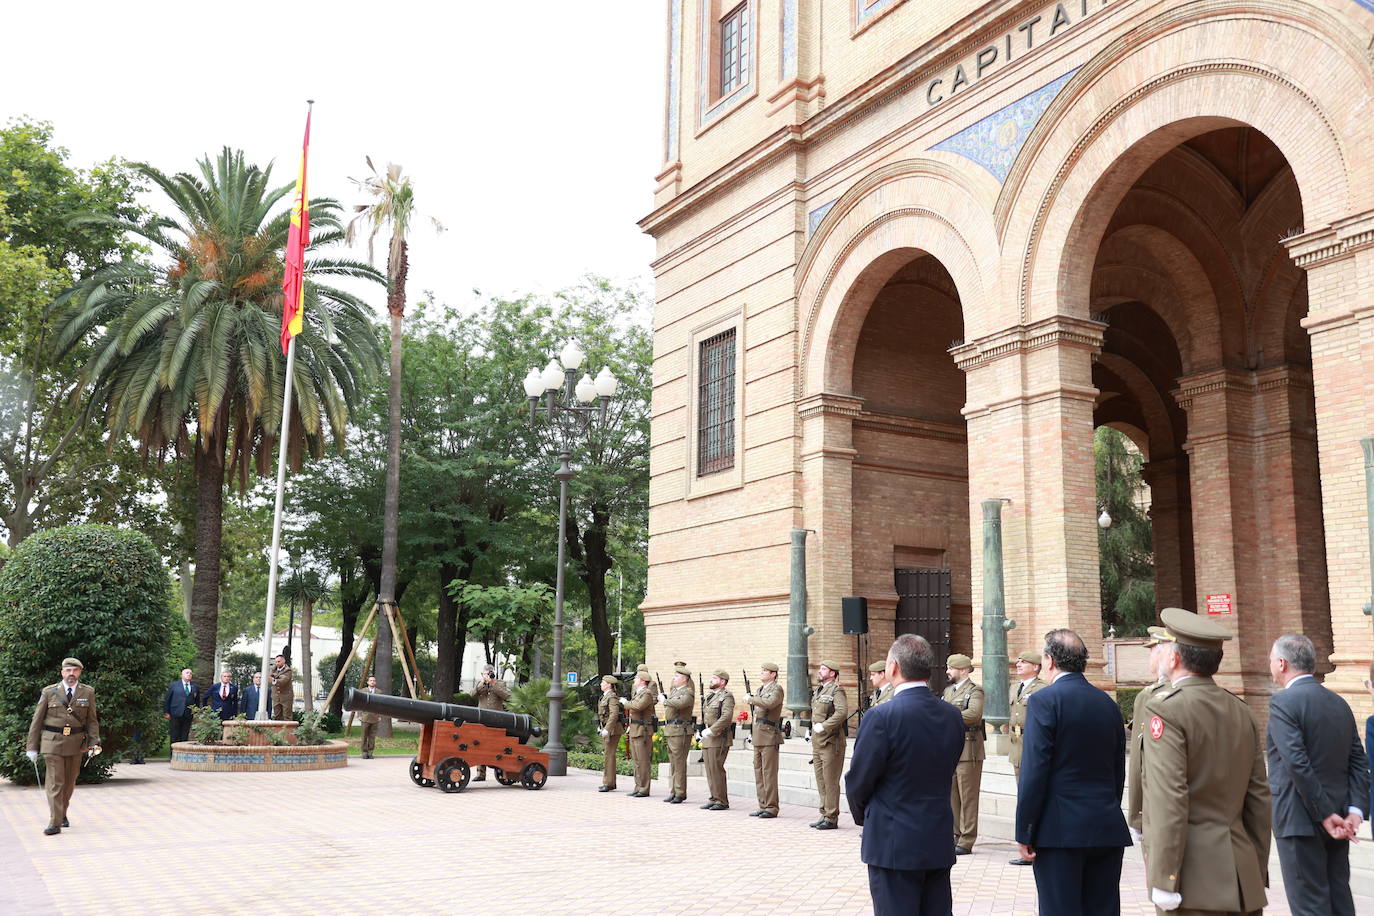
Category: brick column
[1171,528]
[1030,429]
[827,462]
[1339,260]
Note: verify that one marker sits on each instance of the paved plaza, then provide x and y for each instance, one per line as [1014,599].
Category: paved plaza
[365,840]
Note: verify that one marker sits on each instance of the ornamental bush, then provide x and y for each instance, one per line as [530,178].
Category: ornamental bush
[101,594]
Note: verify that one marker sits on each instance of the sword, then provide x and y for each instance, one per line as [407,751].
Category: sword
[35,771]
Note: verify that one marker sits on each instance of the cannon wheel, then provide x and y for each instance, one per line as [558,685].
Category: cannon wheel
[417,770]
[534,776]
[503,778]
[452,774]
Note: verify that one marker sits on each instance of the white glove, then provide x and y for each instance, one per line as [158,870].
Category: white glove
[603,733]
[33,756]
[1165,900]
[95,751]
[818,730]
[1136,835]
[749,699]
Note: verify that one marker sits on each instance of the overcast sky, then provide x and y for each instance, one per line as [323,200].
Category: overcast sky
[532,130]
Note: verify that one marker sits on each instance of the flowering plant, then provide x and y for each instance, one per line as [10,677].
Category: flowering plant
[743,716]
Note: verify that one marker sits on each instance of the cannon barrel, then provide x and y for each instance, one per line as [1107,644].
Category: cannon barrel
[517,725]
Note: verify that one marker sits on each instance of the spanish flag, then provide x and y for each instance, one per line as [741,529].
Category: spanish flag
[297,240]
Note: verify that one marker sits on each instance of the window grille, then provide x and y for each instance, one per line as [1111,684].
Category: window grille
[734,49]
[716,404]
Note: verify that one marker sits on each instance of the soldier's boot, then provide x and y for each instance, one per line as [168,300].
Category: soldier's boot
[827,825]
[64,823]
[49,831]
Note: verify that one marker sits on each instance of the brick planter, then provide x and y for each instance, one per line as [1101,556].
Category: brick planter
[259,758]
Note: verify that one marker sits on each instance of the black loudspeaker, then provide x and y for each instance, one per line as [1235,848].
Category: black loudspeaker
[855,615]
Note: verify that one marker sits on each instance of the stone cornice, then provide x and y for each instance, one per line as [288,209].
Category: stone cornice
[1057,330]
[827,402]
[1331,243]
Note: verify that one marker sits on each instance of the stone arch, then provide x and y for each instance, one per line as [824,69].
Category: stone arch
[919,206]
[1144,96]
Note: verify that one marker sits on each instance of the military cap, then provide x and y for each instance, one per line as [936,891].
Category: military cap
[722,674]
[877,667]
[1189,629]
[610,677]
[958,660]
[829,663]
[1029,657]
[681,668]
[769,666]
[73,662]
[1157,635]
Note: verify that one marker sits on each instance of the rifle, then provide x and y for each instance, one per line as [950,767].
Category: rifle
[701,691]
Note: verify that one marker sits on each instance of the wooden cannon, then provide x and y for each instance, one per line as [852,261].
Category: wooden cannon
[457,738]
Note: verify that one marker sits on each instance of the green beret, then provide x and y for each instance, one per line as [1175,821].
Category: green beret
[722,674]
[610,677]
[1157,635]
[1189,629]
[73,662]
[769,666]
[1031,658]
[681,669]
[877,667]
[958,660]
[829,663]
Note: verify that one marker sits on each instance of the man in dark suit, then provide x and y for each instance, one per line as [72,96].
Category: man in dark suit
[252,696]
[224,698]
[1319,780]
[178,705]
[1068,803]
[899,785]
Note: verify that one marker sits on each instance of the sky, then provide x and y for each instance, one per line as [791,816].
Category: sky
[531,130]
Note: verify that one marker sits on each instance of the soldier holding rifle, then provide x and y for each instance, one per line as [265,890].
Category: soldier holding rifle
[718,730]
[766,711]
[640,730]
[678,730]
[829,710]
[612,726]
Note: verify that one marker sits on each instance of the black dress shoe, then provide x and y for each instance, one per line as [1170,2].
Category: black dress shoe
[717,806]
[756,813]
[676,800]
[64,823]
[816,823]
[764,815]
[606,789]
[49,831]
[1019,861]
[827,825]
[962,851]
[638,795]
[708,806]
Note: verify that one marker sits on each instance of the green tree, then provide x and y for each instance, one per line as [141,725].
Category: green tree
[185,354]
[393,207]
[307,588]
[102,595]
[1125,555]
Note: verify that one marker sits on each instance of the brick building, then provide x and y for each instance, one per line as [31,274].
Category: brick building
[910,254]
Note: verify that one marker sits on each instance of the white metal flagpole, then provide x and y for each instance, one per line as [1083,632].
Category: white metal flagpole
[266,690]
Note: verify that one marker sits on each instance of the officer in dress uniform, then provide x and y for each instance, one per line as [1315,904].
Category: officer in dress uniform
[1206,795]
[612,722]
[1136,740]
[766,736]
[678,729]
[717,733]
[882,690]
[640,729]
[829,710]
[1028,666]
[370,722]
[968,777]
[64,727]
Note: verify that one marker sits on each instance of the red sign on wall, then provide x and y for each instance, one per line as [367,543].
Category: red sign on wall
[1218,604]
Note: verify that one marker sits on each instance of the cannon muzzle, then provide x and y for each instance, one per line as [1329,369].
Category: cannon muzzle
[518,725]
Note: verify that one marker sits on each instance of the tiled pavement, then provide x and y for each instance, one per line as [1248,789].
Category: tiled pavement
[365,840]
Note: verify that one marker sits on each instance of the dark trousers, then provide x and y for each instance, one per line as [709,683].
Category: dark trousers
[1316,875]
[179,728]
[902,892]
[1078,882]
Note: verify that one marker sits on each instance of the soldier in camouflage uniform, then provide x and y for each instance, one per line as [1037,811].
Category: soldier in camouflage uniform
[718,731]
[829,710]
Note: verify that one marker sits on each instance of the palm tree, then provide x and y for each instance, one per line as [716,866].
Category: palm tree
[310,589]
[185,352]
[393,205]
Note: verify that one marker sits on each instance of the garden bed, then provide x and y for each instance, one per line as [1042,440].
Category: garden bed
[228,758]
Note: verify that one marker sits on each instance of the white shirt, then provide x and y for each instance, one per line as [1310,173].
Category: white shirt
[1295,680]
[907,684]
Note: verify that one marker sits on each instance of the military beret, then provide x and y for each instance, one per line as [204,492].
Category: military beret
[958,660]
[722,674]
[769,666]
[1030,658]
[1157,635]
[877,667]
[682,669]
[1189,629]
[73,662]
[610,677]
[829,663]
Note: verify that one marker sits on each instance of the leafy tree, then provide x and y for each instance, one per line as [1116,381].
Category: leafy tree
[1125,555]
[102,595]
[185,355]
[393,207]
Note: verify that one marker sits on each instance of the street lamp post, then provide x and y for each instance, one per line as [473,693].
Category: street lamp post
[571,407]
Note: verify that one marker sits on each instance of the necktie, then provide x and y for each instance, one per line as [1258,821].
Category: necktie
[188,688]
[224,693]
[1020,687]
[69,696]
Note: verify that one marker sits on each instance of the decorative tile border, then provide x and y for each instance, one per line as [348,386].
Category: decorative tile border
[258,759]
[673,111]
[865,11]
[813,219]
[995,141]
[789,40]
[746,90]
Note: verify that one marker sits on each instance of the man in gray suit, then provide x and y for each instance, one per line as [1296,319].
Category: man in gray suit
[1319,780]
